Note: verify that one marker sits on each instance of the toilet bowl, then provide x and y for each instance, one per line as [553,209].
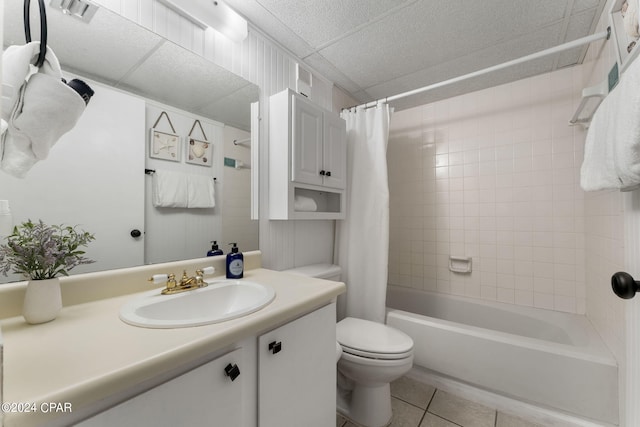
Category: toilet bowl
[371,356]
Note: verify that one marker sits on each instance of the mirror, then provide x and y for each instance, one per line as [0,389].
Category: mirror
[94,176]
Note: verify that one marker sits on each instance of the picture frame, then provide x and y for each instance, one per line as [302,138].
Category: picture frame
[626,47]
[199,152]
[163,145]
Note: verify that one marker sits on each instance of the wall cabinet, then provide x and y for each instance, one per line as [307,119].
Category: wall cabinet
[307,159]
[289,380]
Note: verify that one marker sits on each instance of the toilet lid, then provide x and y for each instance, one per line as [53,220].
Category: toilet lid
[370,339]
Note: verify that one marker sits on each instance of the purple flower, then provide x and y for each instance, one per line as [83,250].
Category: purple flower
[40,251]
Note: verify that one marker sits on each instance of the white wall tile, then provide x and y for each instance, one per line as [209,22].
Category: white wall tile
[505,190]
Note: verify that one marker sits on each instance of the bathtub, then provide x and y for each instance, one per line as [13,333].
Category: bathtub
[547,358]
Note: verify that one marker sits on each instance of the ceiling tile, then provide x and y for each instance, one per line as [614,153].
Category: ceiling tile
[319,21]
[175,84]
[425,34]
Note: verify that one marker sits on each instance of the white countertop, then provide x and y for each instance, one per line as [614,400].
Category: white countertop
[88,354]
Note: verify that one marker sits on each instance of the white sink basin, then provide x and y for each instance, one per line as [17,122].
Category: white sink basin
[221,300]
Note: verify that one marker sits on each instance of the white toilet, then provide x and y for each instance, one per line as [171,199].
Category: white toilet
[371,356]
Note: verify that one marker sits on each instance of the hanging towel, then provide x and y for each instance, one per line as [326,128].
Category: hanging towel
[304,204]
[201,192]
[39,113]
[612,147]
[170,189]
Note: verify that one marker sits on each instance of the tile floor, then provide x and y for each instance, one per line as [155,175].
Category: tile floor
[420,405]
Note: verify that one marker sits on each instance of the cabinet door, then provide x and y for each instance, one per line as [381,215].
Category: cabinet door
[306,146]
[205,396]
[335,152]
[297,372]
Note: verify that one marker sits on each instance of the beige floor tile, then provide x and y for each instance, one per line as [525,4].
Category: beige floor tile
[505,420]
[431,420]
[412,391]
[340,421]
[404,414]
[461,411]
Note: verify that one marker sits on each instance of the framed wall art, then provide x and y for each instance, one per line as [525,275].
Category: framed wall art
[199,151]
[164,145]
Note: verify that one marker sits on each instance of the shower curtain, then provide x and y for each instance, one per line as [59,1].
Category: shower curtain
[362,239]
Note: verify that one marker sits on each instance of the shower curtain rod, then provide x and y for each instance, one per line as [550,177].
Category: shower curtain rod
[556,49]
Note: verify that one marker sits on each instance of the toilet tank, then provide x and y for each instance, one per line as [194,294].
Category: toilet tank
[320,271]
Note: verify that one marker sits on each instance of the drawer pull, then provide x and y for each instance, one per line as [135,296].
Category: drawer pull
[275,347]
[232,371]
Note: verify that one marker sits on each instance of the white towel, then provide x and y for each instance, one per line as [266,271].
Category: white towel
[43,109]
[304,204]
[170,189]
[612,147]
[201,192]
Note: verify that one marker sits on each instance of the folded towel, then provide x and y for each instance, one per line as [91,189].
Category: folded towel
[201,192]
[42,110]
[612,147]
[304,204]
[170,189]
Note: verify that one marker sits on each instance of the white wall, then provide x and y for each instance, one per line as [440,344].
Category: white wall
[237,225]
[180,233]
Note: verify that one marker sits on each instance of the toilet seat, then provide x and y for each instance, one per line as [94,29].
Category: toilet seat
[373,340]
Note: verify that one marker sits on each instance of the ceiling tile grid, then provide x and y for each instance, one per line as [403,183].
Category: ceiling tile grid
[374,48]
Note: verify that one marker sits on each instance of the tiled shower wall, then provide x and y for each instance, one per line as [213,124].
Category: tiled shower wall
[492,175]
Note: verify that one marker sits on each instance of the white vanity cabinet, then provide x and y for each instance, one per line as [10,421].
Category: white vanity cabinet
[307,159]
[204,396]
[288,380]
[297,372]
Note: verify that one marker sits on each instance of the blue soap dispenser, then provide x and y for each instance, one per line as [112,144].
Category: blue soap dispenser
[214,249]
[235,263]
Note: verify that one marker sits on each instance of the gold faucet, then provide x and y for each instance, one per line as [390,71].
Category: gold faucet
[186,283]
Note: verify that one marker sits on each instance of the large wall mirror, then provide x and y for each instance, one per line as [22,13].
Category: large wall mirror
[95,175]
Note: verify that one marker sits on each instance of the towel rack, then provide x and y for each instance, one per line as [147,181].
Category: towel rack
[152,171]
[43,29]
[241,141]
[591,97]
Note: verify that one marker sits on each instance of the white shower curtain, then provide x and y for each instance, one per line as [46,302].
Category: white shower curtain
[362,239]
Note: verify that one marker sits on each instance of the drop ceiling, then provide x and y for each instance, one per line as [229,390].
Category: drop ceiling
[377,48]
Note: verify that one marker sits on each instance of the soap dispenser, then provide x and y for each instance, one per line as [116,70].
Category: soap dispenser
[214,249]
[235,263]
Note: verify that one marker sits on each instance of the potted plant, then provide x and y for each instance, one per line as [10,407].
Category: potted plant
[41,253]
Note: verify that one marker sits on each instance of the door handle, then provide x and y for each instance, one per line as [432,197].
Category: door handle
[624,285]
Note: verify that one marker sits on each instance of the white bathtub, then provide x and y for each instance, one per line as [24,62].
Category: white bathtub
[537,356]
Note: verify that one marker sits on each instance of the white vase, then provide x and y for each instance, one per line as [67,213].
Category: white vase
[42,301]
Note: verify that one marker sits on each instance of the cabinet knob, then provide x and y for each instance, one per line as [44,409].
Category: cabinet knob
[624,285]
[328,173]
[135,233]
[275,347]
[322,172]
[232,371]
